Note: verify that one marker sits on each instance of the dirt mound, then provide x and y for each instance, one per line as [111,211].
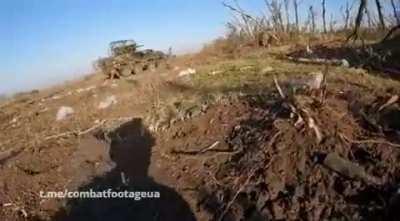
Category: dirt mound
[275,168]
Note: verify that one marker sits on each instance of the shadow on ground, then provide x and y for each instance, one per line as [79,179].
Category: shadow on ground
[131,151]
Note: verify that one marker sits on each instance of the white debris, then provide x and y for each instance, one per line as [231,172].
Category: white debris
[14,120]
[64,112]
[114,85]
[315,82]
[80,90]
[345,63]
[216,72]
[7,204]
[56,97]
[308,50]
[246,68]
[267,70]
[107,102]
[188,71]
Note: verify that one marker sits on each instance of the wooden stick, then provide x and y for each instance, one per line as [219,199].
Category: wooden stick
[316,61]
[206,149]
[228,206]
[8,154]
[77,133]
[278,87]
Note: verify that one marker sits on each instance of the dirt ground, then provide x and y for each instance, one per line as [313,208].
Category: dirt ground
[219,144]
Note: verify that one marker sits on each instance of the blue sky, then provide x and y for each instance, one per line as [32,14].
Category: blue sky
[43,42]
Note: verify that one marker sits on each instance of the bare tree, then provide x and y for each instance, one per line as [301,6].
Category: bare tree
[311,17]
[369,19]
[380,14]
[332,24]
[390,33]
[286,4]
[346,15]
[324,15]
[275,9]
[296,13]
[395,12]
[359,17]
[245,23]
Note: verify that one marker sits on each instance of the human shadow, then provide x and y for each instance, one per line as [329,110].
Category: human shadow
[130,150]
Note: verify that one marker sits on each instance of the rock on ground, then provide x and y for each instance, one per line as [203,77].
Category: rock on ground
[186,72]
[64,112]
[110,100]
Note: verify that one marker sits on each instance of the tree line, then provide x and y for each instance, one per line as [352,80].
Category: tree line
[282,17]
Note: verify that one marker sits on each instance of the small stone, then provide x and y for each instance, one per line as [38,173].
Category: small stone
[64,112]
[316,81]
[216,72]
[107,102]
[14,120]
[345,63]
[186,72]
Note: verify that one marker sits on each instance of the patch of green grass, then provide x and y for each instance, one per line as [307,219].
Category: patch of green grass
[246,74]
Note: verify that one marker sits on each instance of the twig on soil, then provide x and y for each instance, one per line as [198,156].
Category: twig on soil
[228,206]
[373,141]
[23,212]
[316,61]
[210,147]
[312,125]
[214,178]
[283,96]
[77,133]
[298,111]
[273,139]
[60,135]
[203,150]
[279,88]
[16,208]
[390,33]
[8,154]
[324,84]
[393,99]
[253,171]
